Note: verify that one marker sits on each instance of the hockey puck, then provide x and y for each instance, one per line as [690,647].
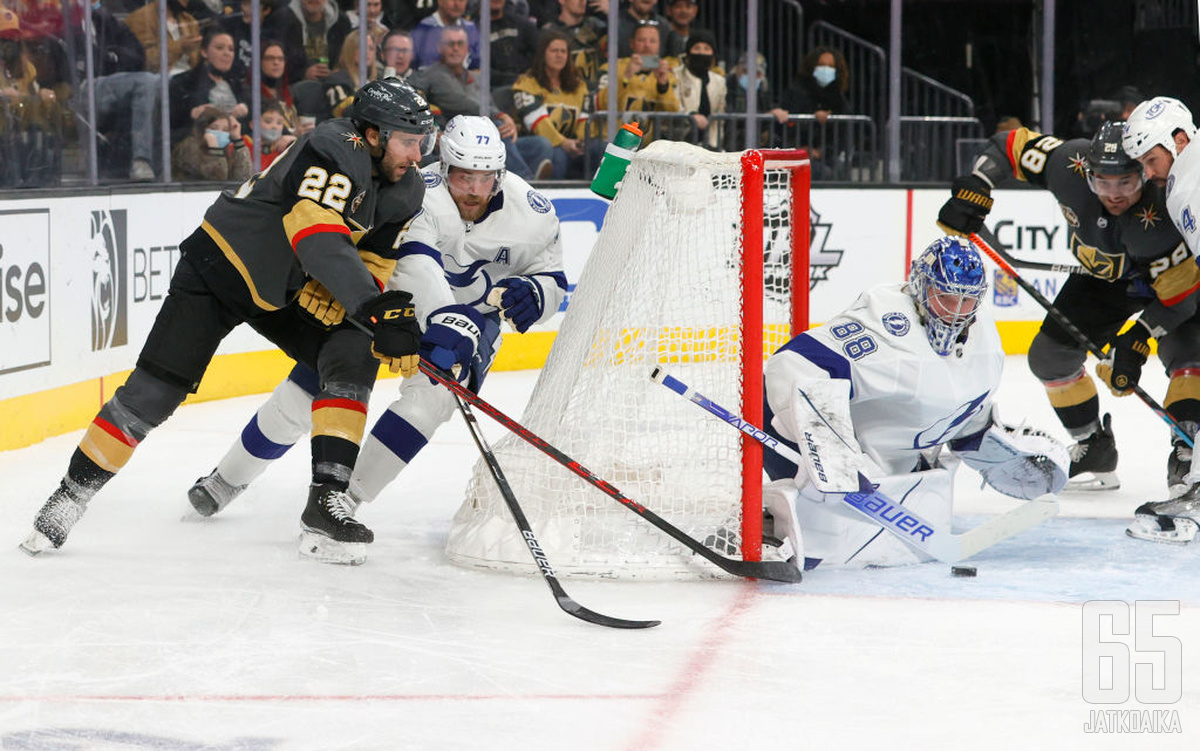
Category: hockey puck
[963,570]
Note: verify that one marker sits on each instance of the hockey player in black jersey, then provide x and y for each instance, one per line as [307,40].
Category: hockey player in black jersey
[279,254]
[1135,261]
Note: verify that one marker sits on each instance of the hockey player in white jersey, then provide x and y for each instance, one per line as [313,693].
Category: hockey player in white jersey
[1157,134]
[486,245]
[905,370]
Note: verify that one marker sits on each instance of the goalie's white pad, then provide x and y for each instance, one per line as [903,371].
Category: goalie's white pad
[1019,462]
[820,416]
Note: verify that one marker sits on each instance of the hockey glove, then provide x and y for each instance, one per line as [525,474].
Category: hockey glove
[452,338]
[319,303]
[970,201]
[397,335]
[520,301]
[1127,353]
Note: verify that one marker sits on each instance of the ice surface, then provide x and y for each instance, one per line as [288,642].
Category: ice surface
[145,631]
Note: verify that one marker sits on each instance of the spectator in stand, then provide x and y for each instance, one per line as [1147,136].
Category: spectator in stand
[183,34]
[278,23]
[428,34]
[28,145]
[406,14]
[375,25]
[551,100]
[681,14]
[124,89]
[639,13]
[737,86]
[820,90]
[587,35]
[274,131]
[275,82]
[343,81]
[514,41]
[209,82]
[645,81]
[213,150]
[324,30]
[702,90]
[397,55]
[454,90]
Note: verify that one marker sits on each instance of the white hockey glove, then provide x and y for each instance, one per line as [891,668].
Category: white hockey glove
[1018,461]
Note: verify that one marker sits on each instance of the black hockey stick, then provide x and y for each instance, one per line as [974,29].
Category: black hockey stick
[993,249]
[1020,263]
[772,570]
[539,557]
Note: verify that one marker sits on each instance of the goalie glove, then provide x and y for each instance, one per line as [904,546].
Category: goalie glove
[1127,353]
[451,339]
[397,336]
[969,204]
[319,303]
[520,300]
[1018,461]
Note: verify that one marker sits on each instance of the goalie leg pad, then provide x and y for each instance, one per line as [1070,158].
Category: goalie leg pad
[834,535]
[779,499]
[1019,462]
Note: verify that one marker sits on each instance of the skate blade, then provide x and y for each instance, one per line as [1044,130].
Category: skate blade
[1149,528]
[1097,481]
[318,547]
[36,543]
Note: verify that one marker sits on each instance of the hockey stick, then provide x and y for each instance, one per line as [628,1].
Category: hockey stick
[994,250]
[869,502]
[539,557]
[772,570]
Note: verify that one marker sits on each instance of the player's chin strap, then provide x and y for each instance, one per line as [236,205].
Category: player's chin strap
[993,249]
[899,520]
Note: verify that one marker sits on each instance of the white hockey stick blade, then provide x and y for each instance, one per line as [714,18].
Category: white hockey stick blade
[895,518]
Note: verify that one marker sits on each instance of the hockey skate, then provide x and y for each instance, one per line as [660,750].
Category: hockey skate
[329,531]
[212,493]
[1174,521]
[1095,457]
[54,521]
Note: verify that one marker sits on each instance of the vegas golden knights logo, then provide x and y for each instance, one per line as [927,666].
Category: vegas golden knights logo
[110,320]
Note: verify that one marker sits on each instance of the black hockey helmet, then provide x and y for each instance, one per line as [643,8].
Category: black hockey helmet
[393,105]
[1106,155]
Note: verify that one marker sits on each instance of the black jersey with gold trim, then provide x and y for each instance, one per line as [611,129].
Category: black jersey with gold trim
[300,217]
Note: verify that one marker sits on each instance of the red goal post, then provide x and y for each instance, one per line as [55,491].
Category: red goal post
[701,268]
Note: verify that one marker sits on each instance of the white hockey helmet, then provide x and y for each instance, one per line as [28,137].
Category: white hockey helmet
[473,142]
[1154,123]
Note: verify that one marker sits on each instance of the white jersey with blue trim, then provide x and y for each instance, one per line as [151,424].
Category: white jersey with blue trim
[1183,195]
[445,260]
[904,398]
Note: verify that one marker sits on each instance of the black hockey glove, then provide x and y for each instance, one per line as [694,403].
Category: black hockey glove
[969,204]
[397,335]
[1127,354]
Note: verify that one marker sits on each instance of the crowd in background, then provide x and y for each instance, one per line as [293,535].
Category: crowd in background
[681,73]
[548,79]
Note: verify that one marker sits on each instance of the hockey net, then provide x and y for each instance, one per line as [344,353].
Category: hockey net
[699,253]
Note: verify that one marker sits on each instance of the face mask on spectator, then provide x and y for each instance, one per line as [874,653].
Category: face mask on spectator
[271,135]
[824,74]
[222,137]
[698,65]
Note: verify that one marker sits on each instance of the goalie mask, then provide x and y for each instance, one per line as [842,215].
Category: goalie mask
[473,143]
[1154,123]
[947,283]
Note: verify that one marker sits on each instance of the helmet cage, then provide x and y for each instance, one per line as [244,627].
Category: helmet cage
[473,143]
[947,284]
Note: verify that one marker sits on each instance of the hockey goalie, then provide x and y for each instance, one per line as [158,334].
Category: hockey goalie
[907,370]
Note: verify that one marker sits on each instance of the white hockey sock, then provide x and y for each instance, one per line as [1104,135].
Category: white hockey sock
[279,423]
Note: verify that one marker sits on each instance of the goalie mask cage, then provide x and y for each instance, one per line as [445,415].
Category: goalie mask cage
[702,268]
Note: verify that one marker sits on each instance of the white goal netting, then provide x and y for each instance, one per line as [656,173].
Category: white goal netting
[666,285]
